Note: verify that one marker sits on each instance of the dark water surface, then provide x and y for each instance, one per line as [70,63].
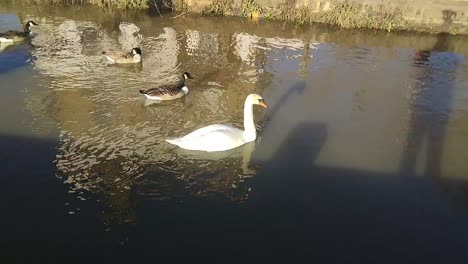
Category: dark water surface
[362,154]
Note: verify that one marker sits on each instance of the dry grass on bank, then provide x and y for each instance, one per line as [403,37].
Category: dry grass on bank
[121,4]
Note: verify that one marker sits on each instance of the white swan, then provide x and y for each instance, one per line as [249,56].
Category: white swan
[220,137]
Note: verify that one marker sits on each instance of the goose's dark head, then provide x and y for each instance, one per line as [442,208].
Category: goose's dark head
[187,76]
[136,51]
[29,24]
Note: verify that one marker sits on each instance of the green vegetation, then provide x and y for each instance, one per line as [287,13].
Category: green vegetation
[251,6]
[387,15]
[348,14]
[220,7]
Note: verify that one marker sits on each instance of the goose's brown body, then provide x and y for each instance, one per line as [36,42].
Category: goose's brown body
[17,36]
[167,91]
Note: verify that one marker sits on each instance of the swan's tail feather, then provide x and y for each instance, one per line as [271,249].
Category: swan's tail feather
[174,141]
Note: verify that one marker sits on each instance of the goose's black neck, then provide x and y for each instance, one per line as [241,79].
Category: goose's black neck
[181,81]
[26,28]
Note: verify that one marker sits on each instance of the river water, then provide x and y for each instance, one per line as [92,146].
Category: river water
[362,151]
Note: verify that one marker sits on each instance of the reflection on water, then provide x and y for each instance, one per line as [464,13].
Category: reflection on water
[371,106]
[111,142]
[430,108]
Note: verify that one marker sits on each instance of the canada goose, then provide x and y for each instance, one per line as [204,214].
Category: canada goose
[168,91]
[16,36]
[134,56]
[220,137]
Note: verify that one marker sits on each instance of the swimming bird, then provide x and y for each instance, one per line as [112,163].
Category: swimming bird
[134,56]
[16,36]
[220,137]
[168,92]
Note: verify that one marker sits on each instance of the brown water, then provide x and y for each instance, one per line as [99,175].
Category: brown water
[362,151]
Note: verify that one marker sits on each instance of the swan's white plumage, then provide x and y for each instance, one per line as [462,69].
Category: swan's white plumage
[216,137]
[220,137]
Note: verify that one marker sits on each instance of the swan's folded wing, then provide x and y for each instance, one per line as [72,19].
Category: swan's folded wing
[206,130]
[211,138]
[196,134]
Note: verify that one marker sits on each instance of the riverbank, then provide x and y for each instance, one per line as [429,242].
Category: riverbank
[120,4]
[436,16]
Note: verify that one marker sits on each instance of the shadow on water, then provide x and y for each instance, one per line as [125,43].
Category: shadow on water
[430,109]
[13,56]
[296,89]
[298,209]
[302,209]
[34,222]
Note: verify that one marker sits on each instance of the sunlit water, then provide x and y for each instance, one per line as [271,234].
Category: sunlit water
[365,132]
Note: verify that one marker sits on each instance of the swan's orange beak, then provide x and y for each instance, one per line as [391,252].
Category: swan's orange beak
[262,103]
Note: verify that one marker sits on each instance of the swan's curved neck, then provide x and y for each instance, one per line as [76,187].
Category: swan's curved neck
[250,133]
